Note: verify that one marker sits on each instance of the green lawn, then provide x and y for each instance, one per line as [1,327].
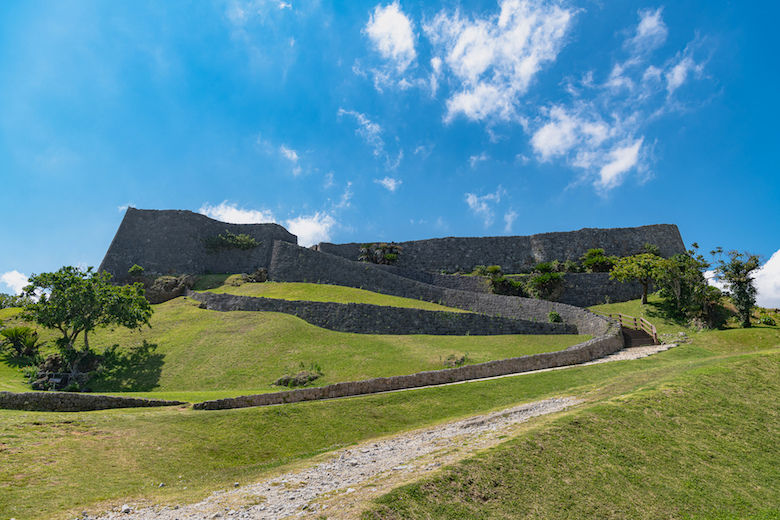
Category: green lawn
[322,293]
[224,354]
[693,424]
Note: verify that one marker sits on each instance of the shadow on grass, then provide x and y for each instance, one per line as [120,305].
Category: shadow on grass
[204,282]
[135,369]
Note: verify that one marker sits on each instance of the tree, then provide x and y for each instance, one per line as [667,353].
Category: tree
[73,301]
[684,289]
[644,268]
[737,274]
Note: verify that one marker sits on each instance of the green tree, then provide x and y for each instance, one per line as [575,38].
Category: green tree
[644,268]
[737,273]
[684,289]
[73,301]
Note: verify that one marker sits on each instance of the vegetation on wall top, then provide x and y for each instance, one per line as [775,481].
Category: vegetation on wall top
[228,240]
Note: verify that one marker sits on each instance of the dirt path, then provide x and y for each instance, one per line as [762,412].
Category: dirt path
[342,485]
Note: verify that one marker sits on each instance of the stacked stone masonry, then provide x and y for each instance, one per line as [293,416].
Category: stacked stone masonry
[520,253]
[74,402]
[173,242]
[375,319]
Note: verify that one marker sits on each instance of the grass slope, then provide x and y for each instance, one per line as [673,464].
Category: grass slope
[322,293]
[702,445]
[240,352]
[59,464]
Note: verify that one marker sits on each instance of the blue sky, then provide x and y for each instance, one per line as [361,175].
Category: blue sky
[361,121]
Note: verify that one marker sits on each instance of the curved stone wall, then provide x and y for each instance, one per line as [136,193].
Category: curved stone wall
[376,319]
[519,253]
[581,353]
[74,402]
[171,242]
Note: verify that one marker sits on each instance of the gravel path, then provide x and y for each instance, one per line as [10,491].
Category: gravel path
[340,486]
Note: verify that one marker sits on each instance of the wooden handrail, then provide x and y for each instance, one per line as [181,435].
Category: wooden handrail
[632,322]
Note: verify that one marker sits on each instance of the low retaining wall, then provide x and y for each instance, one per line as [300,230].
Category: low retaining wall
[611,342]
[74,402]
[376,319]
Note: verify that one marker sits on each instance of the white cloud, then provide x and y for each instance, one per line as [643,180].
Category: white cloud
[391,34]
[125,207]
[768,282]
[677,75]
[621,160]
[389,183]
[232,214]
[285,5]
[496,58]
[292,156]
[476,159]
[368,130]
[482,206]
[602,134]
[509,220]
[312,229]
[650,33]
[15,281]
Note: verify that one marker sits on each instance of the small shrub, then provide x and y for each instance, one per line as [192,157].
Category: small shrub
[23,341]
[480,270]
[554,317]
[595,261]
[767,320]
[302,378]
[453,361]
[383,254]
[136,270]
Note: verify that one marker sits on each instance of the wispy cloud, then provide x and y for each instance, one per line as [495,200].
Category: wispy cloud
[292,156]
[509,220]
[312,229]
[474,160]
[231,213]
[370,132]
[600,131]
[15,281]
[389,183]
[483,206]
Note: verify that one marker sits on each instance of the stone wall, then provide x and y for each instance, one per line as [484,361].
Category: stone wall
[291,263]
[172,242]
[611,342]
[74,402]
[519,253]
[376,319]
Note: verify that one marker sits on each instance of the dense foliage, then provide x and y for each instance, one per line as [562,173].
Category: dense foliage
[230,240]
[737,273]
[72,301]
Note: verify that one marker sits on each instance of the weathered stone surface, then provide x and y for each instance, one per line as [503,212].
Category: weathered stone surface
[376,319]
[166,288]
[172,242]
[519,253]
[74,402]
[259,276]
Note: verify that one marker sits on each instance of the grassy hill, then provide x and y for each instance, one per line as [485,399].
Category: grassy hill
[693,424]
[201,354]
